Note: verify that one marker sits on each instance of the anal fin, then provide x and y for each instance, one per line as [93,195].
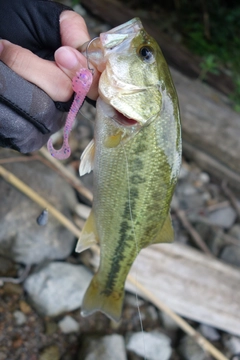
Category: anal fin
[89,235]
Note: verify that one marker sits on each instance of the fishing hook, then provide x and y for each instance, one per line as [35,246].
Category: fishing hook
[87,56]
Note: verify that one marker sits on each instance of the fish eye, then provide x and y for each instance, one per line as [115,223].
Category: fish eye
[146,54]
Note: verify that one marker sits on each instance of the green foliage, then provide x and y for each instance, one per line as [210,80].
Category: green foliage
[236,95]
[212,30]
[209,64]
[75,2]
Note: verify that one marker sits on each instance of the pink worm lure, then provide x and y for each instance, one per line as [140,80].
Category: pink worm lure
[81,84]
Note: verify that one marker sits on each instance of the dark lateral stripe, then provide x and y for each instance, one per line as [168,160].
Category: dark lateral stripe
[118,255]
[126,232]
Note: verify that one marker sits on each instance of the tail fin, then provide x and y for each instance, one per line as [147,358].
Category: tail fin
[95,299]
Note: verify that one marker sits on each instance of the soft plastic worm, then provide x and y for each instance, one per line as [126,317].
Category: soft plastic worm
[81,84]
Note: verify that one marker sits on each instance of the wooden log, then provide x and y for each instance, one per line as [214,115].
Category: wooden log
[192,284]
[210,128]
[211,165]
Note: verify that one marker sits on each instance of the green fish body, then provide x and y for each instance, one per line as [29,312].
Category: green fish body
[135,157]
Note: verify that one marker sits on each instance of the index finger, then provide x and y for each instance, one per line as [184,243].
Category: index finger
[73,29]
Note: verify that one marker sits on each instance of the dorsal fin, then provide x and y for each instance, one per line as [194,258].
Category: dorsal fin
[166,234]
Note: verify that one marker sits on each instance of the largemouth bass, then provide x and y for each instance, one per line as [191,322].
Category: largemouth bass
[135,157]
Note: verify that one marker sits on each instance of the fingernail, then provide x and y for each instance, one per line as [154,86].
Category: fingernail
[66,58]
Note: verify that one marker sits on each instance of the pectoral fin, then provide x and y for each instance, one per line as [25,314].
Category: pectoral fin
[113,141]
[166,234]
[87,158]
[89,235]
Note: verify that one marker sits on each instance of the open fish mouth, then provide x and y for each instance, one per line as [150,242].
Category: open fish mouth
[123,119]
[119,118]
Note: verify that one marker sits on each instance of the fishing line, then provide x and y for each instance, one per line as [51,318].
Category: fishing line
[90,119]
[137,249]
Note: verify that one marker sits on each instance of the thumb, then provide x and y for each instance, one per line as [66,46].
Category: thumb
[70,61]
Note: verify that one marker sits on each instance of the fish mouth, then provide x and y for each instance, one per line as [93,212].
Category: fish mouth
[123,119]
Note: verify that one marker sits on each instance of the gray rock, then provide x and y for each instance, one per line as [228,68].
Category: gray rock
[216,241]
[190,350]
[209,332]
[152,345]
[82,210]
[235,231]
[174,202]
[184,171]
[3,356]
[57,287]
[103,348]
[132,300]
[236,357]
[19,317]
[204,178]
[151,313]
[231,255]
[224,217]
[189,197]
[232,343]
[68,325]
[42,219]
[21,238]
[188,189]
[7,267]
[50,353]
[168,322]
[212,236]
[50,327]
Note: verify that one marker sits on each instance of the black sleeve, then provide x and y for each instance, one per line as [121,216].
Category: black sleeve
[28,116]
[32,24]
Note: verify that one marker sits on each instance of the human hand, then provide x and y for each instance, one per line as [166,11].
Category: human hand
[55,78]
[52,77]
